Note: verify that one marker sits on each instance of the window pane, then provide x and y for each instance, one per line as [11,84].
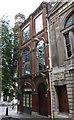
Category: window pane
[26,33]
[67,38]
[24,100]
[40,56]
[68,46]
[38,24]
[27,100]
[31,100]
[26,62]
[69,53]
[27,67]
[70,20]
[23,69]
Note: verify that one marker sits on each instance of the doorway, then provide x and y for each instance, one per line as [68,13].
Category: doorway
[62,98]
[27,100]
[43,106]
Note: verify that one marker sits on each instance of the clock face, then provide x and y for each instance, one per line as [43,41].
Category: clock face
[19,19]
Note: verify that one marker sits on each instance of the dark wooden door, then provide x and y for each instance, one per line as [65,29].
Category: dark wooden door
[62,99]
[43,107]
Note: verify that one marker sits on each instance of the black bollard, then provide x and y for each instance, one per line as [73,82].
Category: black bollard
[6,111]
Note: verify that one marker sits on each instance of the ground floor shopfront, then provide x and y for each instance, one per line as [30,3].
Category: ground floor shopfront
[34,96]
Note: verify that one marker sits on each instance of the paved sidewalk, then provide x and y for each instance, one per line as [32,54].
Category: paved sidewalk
[12,113]
[24,116]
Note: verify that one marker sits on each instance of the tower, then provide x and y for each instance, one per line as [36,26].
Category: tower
[19,19]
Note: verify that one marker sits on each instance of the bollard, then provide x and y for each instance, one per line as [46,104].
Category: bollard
[6,111]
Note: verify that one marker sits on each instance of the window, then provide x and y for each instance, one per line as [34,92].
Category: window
[70,20]
[69,34]
[26,62]
[40,61]
[26,33]
[68,46]
[38,23]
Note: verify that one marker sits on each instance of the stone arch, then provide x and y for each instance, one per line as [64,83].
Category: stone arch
[69,20]
[28,84]
[41,82]
[67,16]
[36,40]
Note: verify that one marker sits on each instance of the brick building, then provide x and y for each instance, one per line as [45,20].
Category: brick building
[33,63]
[61,22]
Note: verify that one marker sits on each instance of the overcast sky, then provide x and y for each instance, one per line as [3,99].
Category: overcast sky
[12,7]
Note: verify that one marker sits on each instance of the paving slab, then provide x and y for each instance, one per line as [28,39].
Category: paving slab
[25,117]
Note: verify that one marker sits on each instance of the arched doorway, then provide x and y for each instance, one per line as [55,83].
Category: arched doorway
[27,99]
[43,106]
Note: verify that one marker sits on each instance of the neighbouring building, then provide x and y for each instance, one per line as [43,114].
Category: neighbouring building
[33,63]
[61,27]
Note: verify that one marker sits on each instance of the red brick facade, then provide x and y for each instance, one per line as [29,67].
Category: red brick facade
[34,91]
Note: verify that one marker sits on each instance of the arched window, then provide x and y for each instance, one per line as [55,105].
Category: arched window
[40,60]
[69,36]
[70,20]
[26,61]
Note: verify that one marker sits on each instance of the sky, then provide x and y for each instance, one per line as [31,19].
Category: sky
[13,7]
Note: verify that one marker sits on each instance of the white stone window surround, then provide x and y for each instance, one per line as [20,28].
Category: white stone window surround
[70,31]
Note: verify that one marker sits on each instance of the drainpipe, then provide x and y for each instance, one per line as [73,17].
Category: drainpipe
[50,69]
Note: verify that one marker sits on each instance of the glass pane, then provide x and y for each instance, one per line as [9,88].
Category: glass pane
[26,62]
[38,23]
[70,20]
[31,100]
[67,39]
[69,53]
[27,100]
[26,33]
[27,55]
[27,67]
[24,100]
[68,46]
[40,56]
